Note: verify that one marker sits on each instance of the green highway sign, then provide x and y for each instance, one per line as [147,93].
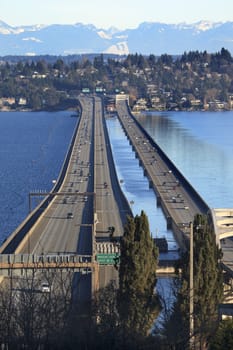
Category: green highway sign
[107,259]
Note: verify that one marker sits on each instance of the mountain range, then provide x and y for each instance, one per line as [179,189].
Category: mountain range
[148,38]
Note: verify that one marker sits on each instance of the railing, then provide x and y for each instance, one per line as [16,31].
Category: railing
[22,262]
[43,258]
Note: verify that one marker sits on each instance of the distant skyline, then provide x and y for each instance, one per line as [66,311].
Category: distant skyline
[122,14]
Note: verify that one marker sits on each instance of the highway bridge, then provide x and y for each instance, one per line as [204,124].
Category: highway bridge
[76,217]
[178,199]
[86,204]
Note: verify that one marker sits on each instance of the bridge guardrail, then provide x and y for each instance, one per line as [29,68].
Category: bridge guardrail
[44,258]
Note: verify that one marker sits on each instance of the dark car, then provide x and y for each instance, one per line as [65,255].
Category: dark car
[70,215]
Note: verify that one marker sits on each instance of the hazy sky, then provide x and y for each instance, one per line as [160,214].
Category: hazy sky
[118,13]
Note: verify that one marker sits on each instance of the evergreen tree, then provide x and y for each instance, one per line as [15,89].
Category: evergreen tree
[208,289]
[223,338]
[137,303]
[208,282]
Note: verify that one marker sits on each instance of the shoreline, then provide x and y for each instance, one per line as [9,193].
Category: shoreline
[5,109]
[36,110]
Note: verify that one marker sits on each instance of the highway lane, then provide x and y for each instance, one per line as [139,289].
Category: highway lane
[111,208]
[107,206]
[55,231]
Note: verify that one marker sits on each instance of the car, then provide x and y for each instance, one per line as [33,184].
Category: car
[70,215]
[45,288]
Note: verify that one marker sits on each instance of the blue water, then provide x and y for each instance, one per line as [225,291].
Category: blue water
[32,150]
[201,146]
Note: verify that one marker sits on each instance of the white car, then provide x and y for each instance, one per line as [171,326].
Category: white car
[45,288]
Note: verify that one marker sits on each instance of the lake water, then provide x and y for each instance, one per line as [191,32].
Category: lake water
[201,146]
[32,149]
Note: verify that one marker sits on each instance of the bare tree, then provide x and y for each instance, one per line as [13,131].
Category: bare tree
[35,309]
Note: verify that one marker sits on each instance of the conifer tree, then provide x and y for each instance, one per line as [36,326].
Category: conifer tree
[137,303]
[208,282]
[208,288]
[223,339]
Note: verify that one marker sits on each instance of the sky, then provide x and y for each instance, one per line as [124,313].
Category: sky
[122,14]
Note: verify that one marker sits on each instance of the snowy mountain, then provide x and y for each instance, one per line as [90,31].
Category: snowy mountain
[148,38]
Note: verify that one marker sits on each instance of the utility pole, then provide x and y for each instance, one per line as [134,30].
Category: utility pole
[191,290]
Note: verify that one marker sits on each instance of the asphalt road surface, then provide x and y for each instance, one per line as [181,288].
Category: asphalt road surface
[70,215]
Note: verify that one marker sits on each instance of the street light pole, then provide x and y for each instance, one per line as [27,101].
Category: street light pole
[191,290]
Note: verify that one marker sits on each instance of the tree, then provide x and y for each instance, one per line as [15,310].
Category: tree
[41,67]
[99,62]
[166,59]
[31,318]
[225,54]
[59,64]
[223,338]
[35,101]
[138,305]
[208,282]
[208,288]
[104,311]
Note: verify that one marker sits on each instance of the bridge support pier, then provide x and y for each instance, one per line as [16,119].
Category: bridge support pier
[95,279]
[158,201]
[169,222]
